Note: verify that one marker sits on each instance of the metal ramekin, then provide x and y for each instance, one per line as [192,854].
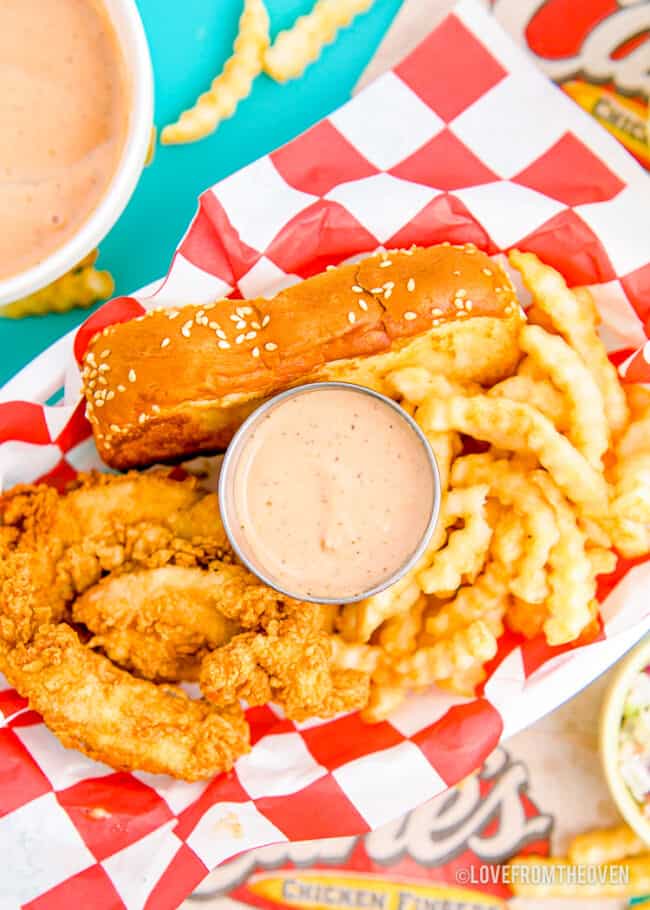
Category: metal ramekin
[226,504]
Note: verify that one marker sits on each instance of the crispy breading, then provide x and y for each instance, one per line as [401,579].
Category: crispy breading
[54,546]
[291,662]
[163,621]
[139,562]
[128,723]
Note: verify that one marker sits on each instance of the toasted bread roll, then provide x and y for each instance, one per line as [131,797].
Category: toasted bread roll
[180,381]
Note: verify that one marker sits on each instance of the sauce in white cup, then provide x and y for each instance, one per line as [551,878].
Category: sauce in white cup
[97,154]
[329,492]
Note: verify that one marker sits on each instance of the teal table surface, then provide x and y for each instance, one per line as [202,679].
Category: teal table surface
[189,42]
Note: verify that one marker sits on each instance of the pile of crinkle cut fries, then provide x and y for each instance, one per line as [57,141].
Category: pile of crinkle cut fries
[559,480]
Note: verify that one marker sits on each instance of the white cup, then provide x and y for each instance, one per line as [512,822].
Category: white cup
[139,77]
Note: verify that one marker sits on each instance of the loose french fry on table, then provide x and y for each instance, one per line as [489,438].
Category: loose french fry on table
[293,50]
[611,850]
[81,287]
[232,85]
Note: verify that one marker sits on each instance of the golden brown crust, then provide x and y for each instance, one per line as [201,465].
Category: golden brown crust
[179,381]
[131,724]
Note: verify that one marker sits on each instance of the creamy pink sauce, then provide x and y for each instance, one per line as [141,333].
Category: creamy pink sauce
[63,122]
[332,493]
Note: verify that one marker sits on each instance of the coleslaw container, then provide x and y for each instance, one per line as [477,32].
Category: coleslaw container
[611,717]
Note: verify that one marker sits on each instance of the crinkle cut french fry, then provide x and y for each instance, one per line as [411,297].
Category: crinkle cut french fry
[595,534]
[637,881]
[417,383]
[370,613]
[631,538]
[587,305]
[603,562]
[445,447]
[632,490]
[486,599]
[507,544]
[588,428]
[571,578]
[527,367]
[410,383]
[635,440]
[384,700]
[514,489]
[566,314]
[232,85]
[518,427]
[294,49]
[464,682]
[525,618]
[463,650]
[605,845]
[458,640]
[81,287]
[636,437]
[460,637]
[538,393]
[358,621]
[399,634]
[628,521]
[466,550]
[638,400]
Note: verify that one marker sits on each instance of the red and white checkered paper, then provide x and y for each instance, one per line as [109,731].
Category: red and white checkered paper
[463,141]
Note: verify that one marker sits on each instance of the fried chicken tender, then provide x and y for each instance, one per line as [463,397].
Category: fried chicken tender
[55,546]
[101,504]
[128,723]
[162,622]
[141,565]
[290,662]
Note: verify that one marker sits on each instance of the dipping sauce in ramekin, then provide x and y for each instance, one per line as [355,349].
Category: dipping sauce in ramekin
[329,492]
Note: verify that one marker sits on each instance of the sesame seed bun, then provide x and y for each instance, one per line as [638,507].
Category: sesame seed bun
[180,381]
